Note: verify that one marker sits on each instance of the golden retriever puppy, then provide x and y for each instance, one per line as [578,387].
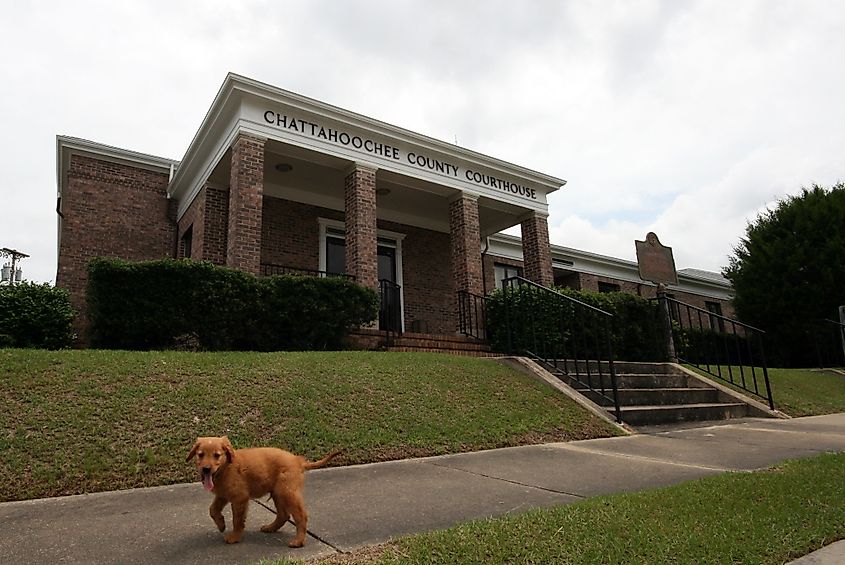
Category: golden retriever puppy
[237,475]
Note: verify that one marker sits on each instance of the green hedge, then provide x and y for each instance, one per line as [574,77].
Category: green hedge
[35,315]
[169,303]
[706,346]
[545,323]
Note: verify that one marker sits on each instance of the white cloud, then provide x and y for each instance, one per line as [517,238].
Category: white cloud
[685,118]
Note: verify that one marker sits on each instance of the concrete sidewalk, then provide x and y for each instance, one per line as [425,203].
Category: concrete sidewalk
[351,507]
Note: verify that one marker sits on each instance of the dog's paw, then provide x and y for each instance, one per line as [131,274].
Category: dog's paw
[232,538]
[221,523]
[268,528]
[296,543]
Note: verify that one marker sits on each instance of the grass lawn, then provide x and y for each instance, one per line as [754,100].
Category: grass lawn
[801,392]
[84,421]
[764,517]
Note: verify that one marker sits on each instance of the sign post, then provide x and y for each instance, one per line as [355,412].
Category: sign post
[656,264]
[842,328]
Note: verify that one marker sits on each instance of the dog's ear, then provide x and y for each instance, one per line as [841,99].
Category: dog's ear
[227,447]
[193,451]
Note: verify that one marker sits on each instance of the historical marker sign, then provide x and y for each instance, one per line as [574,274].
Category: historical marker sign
[655,261]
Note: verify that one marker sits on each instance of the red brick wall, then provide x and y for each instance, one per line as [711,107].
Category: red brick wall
[427,279]
[290,234]
[216,225]
[193,219]
[360,213]
[111,210]
[536,250]
[246,188]
[208,217]
[465,245]
[291,237]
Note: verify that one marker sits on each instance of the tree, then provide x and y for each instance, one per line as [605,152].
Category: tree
[788,272]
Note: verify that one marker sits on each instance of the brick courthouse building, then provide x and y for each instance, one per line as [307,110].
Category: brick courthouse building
[274,182]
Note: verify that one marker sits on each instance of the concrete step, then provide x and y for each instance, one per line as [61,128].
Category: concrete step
[619,366]
[636,381]
[659,396]
[661,414]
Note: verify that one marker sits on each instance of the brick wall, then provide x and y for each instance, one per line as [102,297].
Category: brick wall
[246,188]
[465,245]
[111,210]
[291,237]
[290,234]
[208,218]
[216,225]
[536,250]
[360,213]
[427,286]
[193,219]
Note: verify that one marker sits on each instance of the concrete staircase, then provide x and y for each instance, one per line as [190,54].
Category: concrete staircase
[658,393]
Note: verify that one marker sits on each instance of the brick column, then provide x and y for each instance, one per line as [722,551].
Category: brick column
[246,189]
[536,252]
[466,244]
[361,231]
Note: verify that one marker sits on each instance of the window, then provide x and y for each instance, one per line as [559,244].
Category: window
[335,252]
[502,272]
[186,243]
[608,287]
[715,321]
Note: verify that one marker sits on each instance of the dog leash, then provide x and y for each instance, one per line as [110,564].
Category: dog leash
[264,505]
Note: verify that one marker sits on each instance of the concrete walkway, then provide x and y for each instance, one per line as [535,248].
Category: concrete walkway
[351,507]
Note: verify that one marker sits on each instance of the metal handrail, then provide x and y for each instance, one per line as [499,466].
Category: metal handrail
[711,359]
[390,310]
[588,364]
[271,269]
[472,314]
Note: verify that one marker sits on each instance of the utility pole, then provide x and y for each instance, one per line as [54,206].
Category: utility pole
[12,274]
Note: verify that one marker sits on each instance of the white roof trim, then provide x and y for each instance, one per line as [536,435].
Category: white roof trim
[222,123]
[510,247]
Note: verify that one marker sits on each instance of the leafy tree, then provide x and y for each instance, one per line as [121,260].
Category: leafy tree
[788,271]
[35,315]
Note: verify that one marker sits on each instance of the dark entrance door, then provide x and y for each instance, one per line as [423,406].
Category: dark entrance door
[390,312]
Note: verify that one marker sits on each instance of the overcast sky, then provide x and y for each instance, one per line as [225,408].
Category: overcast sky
[681,117]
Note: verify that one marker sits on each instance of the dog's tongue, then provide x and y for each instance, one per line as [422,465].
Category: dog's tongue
[207,481]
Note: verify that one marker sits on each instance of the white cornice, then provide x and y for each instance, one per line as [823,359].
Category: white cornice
[66,145]
[225,115]
[274,93]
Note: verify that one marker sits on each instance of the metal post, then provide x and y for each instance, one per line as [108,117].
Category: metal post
[666,323]
[842,329]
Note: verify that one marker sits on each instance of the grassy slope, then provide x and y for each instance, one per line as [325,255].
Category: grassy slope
[805,392]
[83,421]
[800,392]
[766,517]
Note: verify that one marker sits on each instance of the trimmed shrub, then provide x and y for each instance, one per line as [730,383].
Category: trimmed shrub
[545,323]
[169,303]
[35,315]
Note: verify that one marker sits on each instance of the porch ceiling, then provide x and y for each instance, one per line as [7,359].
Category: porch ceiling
[317,179]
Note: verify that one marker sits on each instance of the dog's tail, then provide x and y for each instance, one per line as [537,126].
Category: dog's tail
[322,462]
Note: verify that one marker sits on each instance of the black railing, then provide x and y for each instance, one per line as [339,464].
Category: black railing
[390,310]
[269,269]
[566,335]
[721,347]
[472,315]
